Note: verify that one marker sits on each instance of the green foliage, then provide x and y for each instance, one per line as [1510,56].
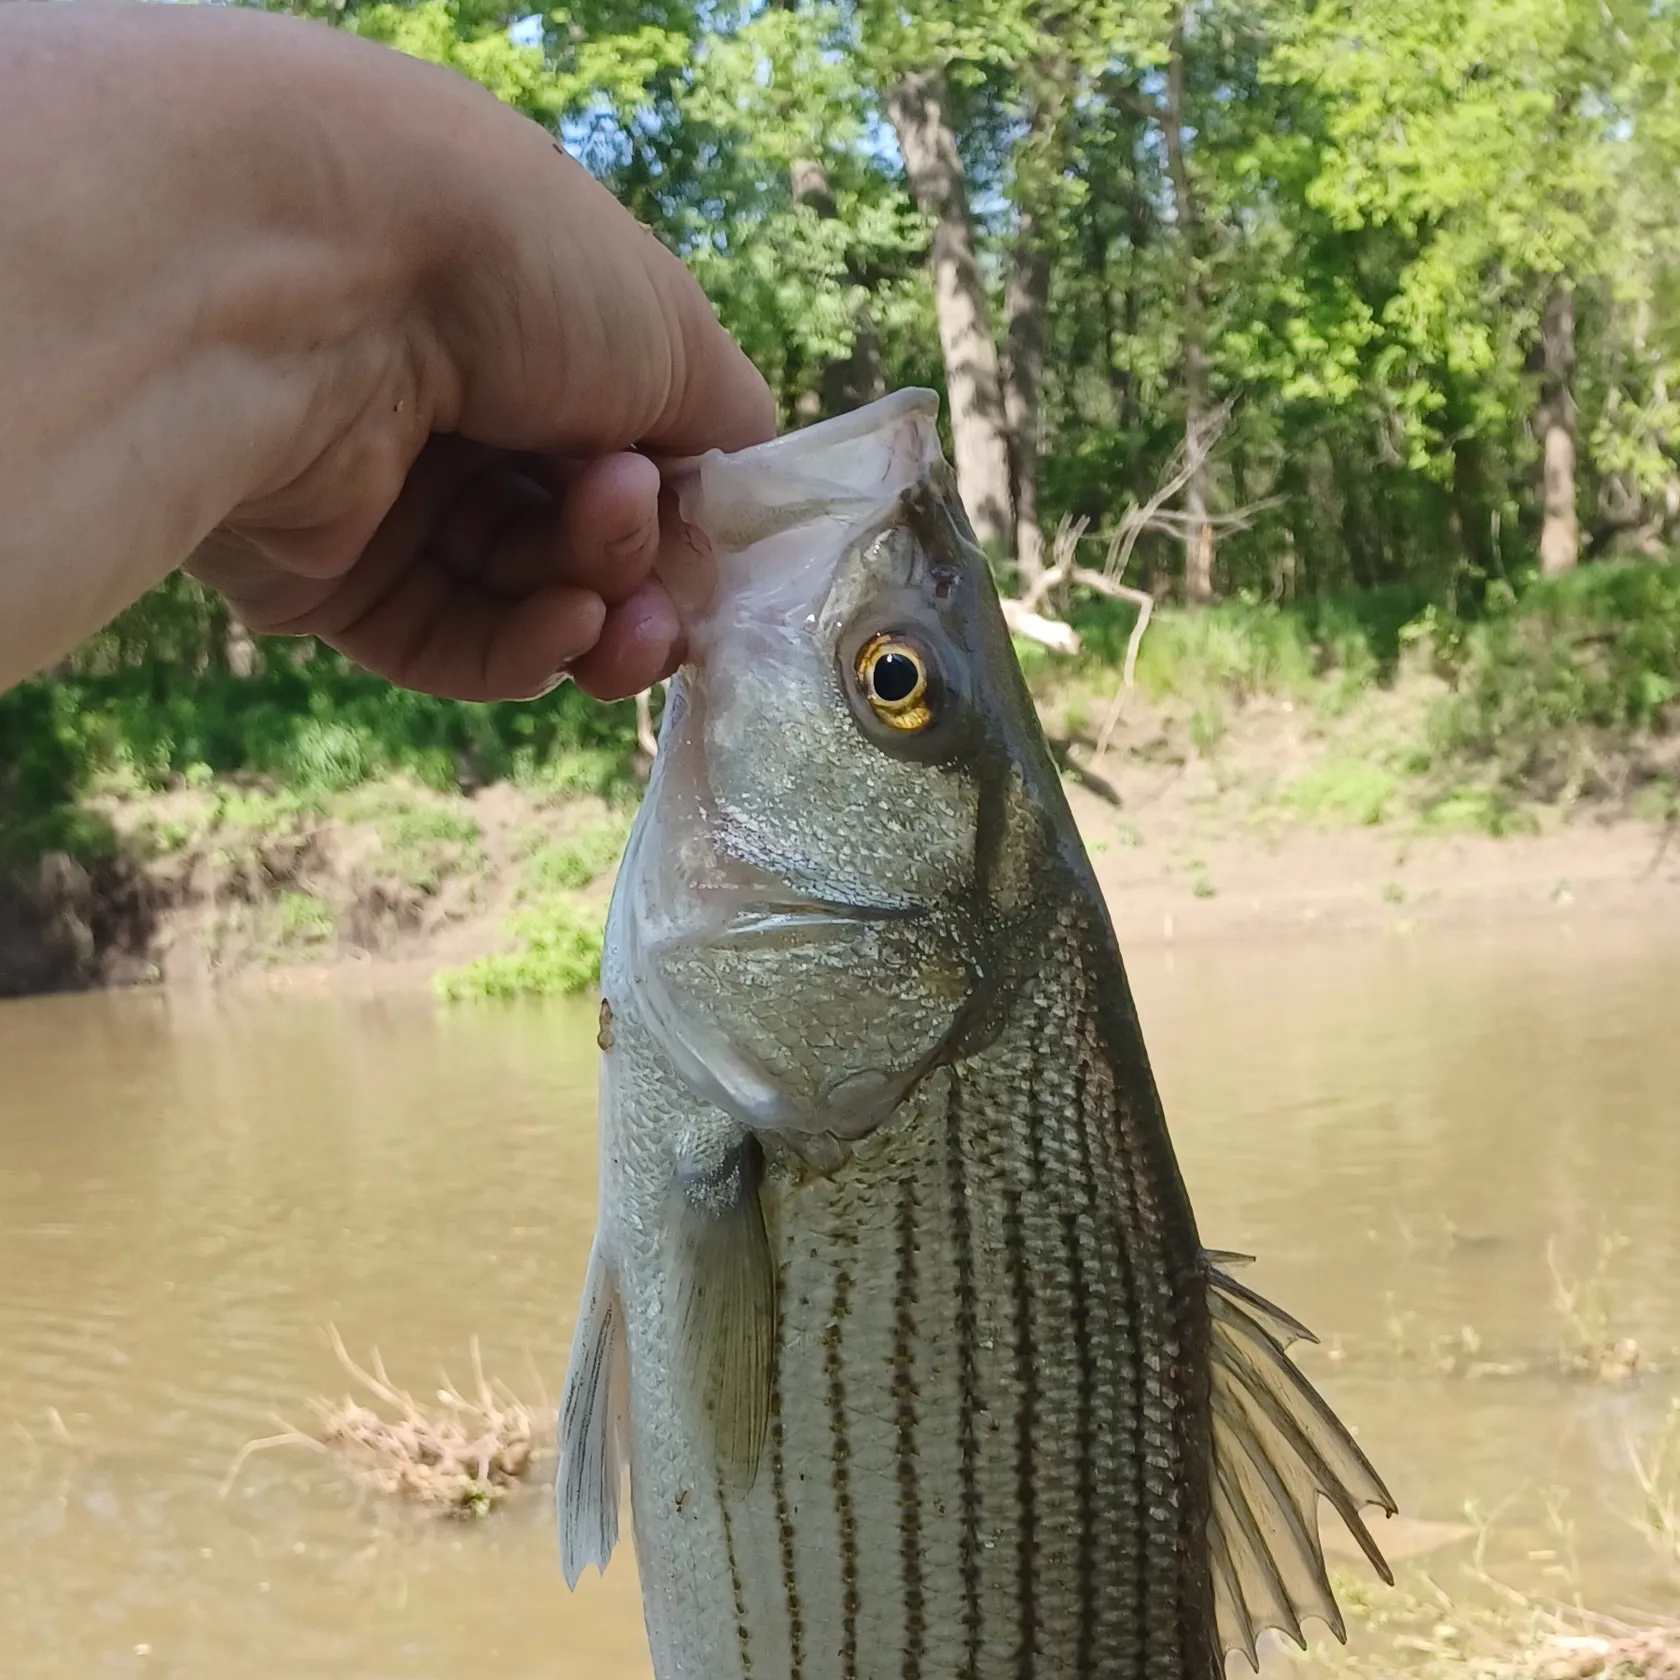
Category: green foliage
[558,955]
[419,825]
[575,861]
[570,773]
[318,727]
[1233,649]
[557,933]
[302,919]
[1476,810]
[1575,661]
[1387,193]
[1353,792]
[43,771]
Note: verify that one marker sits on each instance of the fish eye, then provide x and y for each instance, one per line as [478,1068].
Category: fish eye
[894,677]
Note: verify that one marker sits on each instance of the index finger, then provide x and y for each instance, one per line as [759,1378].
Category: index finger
[570,327]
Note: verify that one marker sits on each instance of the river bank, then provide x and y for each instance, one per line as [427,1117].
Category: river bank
[1368,762]
[505,887]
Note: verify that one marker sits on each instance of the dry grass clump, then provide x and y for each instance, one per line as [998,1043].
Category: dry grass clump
[461,1455]
[1420,1631]
[1590,1347]
[1657,1473]
[1653,1655]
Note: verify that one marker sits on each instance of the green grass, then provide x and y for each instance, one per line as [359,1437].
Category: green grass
[1657,801]
[602,772]
[1236,650]
[425,826]
[559,955]
[253,808]
[1352,792]
[558,934]
[1579,671]
[1476,810]
[425,847]
[302,919]
[574,861]
[1562,692]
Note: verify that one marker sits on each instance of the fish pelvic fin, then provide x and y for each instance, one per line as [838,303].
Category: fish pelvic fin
[593,1427]
[1277,1449]
[726,1301]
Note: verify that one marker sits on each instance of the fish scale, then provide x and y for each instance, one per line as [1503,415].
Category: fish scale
[897,1315]
[988,1161]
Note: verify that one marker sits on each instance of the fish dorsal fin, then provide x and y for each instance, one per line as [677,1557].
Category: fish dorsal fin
[1277,1449]
[593,1425]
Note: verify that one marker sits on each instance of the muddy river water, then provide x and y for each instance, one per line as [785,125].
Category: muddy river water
[192,1189]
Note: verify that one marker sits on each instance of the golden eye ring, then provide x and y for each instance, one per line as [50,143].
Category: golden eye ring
[894,678]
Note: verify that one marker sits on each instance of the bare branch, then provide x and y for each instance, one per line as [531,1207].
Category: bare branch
[1031,626]
[1100,583]
[1183,465]
[646,741]
[1145,605]
[1063,548]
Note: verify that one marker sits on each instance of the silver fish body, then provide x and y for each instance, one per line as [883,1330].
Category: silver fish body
[897,1313]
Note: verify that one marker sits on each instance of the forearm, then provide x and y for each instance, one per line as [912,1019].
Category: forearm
[249,269]
[191,271]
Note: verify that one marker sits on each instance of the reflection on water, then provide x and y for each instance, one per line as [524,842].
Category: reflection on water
[191,1189]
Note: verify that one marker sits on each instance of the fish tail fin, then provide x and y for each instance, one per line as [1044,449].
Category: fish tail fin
[1277,1449]
[592,1428]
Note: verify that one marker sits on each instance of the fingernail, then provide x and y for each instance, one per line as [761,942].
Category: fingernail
[635,544]
[555,681]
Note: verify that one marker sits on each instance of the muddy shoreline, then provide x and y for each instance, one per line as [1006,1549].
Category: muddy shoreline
[1374,879]
[1169,877]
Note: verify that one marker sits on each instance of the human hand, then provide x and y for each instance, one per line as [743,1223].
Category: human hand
[515,544]
[407,352]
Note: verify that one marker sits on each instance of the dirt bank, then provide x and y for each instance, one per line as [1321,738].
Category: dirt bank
[390,883]
[1177,880]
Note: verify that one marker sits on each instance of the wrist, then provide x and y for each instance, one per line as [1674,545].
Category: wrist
[217,243]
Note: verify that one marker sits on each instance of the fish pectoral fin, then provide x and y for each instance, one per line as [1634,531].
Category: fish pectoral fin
[1277,1449]
[726,1303]
[593,1427]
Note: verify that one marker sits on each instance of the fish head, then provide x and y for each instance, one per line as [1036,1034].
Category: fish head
[853,823]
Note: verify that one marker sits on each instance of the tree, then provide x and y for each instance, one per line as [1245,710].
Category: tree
[1425,254]
[1485,134]
[916,106]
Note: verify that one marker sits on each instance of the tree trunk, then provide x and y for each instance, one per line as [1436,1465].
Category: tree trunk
[1137,236]
[1198,542]
[1470,514]
[1038,170]
[239,651]
[852,380]
[1098,266]
[1554,424]
[916,109]
[1028,302]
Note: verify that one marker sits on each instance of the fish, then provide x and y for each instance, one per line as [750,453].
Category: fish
[897,1320]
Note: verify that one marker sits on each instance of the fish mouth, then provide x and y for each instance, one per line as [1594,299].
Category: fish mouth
[744,522]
